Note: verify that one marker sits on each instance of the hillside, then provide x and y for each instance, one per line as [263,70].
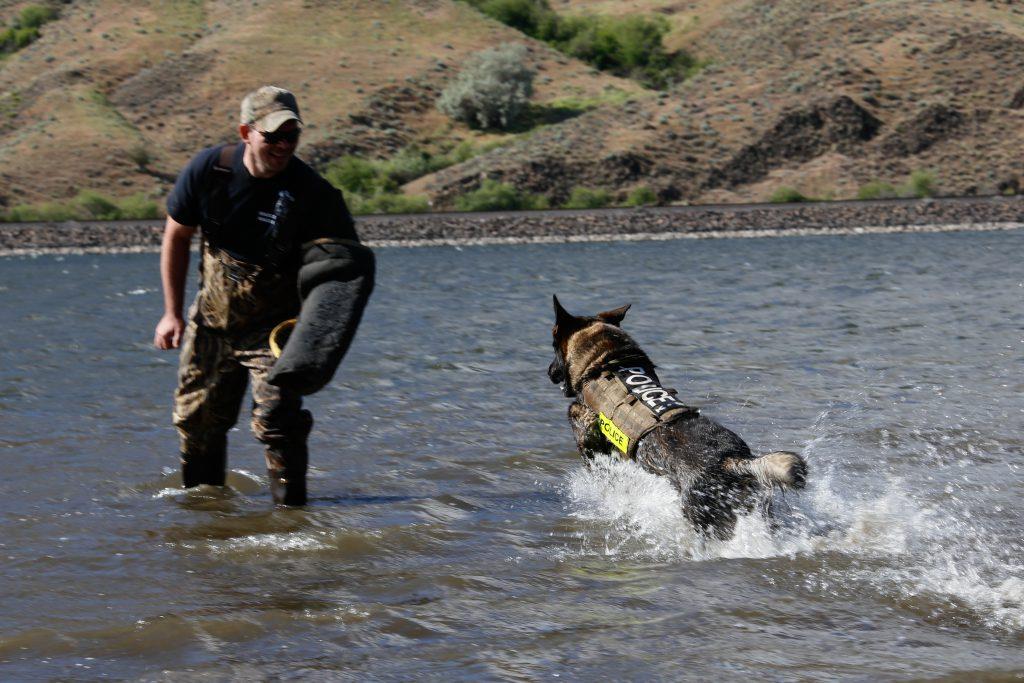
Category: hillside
[823,97]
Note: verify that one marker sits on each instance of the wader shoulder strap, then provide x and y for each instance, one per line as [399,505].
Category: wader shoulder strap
[216,188]
[279,233]
[630,403]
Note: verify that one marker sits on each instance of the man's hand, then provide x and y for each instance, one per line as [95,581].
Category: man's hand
[173,266]
[168,332]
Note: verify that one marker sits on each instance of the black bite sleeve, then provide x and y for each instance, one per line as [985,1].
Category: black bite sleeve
[335,283]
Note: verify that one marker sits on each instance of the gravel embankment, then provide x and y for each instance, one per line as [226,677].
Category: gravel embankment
[993,213]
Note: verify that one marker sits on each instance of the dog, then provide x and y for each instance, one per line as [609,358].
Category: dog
[713,469]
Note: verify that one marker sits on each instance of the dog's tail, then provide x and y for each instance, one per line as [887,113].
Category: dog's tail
[784,469]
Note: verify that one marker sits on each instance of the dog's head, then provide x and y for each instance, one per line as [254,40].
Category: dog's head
[580,341]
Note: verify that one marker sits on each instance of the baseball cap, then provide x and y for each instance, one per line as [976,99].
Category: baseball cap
[268,107]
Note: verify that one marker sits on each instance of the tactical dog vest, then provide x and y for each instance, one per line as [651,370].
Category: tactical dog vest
[630,402]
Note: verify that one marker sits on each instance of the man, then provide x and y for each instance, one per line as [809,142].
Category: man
[257,205]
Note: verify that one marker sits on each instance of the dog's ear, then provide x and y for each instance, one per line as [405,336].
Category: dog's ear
[614,317]
[565,322]
[563,318]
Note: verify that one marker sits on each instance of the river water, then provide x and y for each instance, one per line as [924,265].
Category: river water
[453,533]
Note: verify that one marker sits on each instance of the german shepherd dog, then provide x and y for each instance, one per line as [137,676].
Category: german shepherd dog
[712,467]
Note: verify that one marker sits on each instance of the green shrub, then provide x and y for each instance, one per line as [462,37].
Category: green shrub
[367,178]
[25,28]
[35,16]
[629,46]
[355,175]
[787,195]
[140,156]
[586,198]
[920,184]
[495,196]
[50,212]
[85,206]
[137,206]
[464,151]
[412,162]
[13,39]
[493,89]
[877,189]
[97,207]
[388,203]
[528,16]
[409,164]
[642,196]
[535,18]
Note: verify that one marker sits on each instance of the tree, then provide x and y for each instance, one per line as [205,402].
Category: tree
[492,91]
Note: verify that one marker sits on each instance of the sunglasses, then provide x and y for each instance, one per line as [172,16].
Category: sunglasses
[272,138]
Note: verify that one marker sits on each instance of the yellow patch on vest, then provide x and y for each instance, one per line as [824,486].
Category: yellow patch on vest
[613,433]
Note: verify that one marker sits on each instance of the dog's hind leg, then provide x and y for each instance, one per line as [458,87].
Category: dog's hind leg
[710,507]
[784,469]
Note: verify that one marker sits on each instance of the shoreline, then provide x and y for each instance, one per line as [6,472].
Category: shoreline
[573,239]
[569,226]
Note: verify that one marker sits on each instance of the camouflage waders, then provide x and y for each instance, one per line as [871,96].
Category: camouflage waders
[225,344]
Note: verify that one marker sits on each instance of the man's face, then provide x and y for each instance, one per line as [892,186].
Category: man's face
[270,157]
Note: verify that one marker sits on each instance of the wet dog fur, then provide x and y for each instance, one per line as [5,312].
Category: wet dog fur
[713,468]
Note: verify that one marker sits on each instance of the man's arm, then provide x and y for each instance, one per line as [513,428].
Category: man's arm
[174,255]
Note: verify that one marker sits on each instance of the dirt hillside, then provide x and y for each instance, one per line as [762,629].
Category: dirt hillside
[824,97]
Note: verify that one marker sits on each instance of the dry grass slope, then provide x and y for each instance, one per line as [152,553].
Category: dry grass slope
[110,76]
[823,97]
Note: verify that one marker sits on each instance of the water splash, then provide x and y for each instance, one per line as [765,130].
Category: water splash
[639,511]
[930,533]
[894,540]
[272,544]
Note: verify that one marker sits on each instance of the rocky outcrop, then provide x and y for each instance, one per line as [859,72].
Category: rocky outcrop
[164,87]
[798,136]
[380,129]
[933,124]
[1017,100]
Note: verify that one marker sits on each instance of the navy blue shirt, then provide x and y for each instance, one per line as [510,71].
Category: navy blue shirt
[296,200]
